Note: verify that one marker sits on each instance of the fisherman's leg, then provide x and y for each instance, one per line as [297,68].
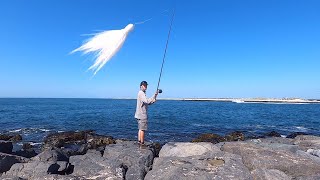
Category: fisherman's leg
[139,130]
[142,136]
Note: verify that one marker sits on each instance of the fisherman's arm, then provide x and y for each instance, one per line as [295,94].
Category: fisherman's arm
[146,100]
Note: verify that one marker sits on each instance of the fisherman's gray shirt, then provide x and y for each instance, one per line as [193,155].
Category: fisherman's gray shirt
[142,105]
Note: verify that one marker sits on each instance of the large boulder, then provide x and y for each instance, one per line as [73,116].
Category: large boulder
[7,160]
[180,149]
[37,169]
[135,159]
[183,161]
[306,142]
[47,162]
[92,166]
[282,157]
[123,160]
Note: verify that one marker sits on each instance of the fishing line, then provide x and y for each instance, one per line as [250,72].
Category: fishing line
[165,52]
[142,22]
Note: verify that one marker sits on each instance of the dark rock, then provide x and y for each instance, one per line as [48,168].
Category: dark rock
[27,146]
[157,147]
[6,147]
[74,149]
[76,143]
[13,138]
[235,136]
[213,138]
[273,134]
[26,153]
[94,141]
[293,135]
[7,160]
[59,139]
[60,167]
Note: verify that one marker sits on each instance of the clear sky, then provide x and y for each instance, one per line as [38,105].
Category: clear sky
[218,48]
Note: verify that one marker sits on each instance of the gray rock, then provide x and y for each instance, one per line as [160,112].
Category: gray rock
[51,155]
[93,166]
[179,149]
[29,170]
[37,169]
[208,164]
[269,174]
[58,177]
[315,152]
[6,147]
[262,157]
[136,161]
[45,177]
[7,160]
[11,178]
[41,165]
[306,142]
[280,140]
[308,178]
[278,146]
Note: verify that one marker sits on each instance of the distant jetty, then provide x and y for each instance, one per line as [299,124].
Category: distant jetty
[258,100]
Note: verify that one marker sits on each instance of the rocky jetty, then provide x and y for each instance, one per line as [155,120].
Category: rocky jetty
[86,155]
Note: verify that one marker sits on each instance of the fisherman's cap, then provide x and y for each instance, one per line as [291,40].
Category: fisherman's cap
[143,83]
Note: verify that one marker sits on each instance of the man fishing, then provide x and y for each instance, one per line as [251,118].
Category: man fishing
[142,110]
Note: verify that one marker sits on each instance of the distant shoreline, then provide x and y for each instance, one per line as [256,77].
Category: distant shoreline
[257,100]
[235,100]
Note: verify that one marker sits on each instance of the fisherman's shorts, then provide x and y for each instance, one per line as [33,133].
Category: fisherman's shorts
[142,124]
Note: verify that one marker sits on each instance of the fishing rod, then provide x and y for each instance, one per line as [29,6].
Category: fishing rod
[165,52]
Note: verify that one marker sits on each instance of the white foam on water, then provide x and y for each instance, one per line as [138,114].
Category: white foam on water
[300,128]
[34,143]
[27,131]
[201,125]
[14,131]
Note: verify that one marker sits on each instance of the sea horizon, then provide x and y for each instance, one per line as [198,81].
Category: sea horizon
[169,120]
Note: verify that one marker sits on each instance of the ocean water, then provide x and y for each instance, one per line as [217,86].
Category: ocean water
[168,120]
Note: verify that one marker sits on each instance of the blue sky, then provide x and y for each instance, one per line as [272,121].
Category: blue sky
[266,48]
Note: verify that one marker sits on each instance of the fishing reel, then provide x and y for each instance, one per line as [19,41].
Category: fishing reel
[159,91]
